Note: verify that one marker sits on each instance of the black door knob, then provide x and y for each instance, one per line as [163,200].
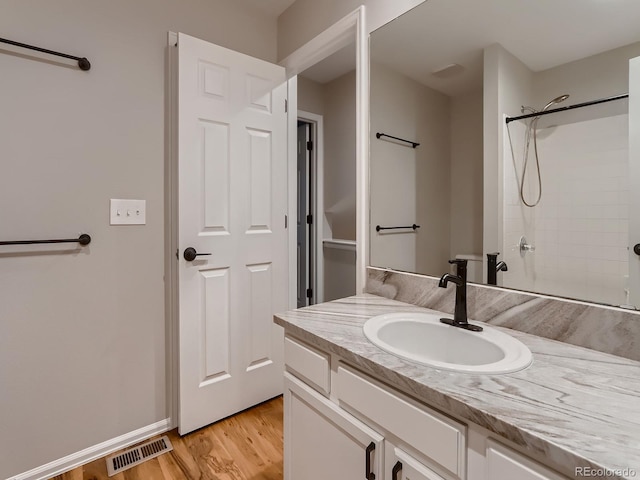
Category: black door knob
[190,254]
[636,249]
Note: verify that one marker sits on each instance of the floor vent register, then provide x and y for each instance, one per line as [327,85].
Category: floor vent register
[135,456]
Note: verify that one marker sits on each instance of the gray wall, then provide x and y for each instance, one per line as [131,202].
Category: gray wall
[410,185]
[82,335]
[466,174]
[310,96]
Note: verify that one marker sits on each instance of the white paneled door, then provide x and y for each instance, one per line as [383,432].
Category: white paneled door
[232,243]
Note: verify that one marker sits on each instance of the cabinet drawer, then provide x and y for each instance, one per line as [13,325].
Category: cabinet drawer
[308,363]
[506,464]
[439,438]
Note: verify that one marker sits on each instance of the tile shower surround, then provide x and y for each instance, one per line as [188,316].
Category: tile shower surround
[605,329]
[580,227]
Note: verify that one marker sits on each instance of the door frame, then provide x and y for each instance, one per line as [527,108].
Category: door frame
[171,230]
[317,200]
[350,28]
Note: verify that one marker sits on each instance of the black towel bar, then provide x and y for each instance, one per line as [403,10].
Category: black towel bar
[83,63]
[414,227]
[413,144]
[83,239]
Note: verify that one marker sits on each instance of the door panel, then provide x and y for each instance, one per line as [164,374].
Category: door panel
[215,174]
[260,292]
[216,328]
[232,202]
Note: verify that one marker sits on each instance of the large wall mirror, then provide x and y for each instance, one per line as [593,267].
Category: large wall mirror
[455,173]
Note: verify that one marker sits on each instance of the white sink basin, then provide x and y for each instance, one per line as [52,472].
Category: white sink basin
[422,338]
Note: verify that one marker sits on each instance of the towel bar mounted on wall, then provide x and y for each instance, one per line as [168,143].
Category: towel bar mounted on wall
[83,240]
[414,227]
[83,63]
[413,144]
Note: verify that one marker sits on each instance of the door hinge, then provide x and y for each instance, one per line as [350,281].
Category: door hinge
[286,105]
[309,293]
[310,145]
[286,222]
[309,219]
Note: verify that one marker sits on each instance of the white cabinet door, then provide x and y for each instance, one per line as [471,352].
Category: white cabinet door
[324,442]
[402,466]
[506,464]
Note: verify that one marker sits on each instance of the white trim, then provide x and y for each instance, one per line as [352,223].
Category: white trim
[318,199]
[171,230]
[340,244]
[362,150]
[87,455]
[333,39]
[292,185]
[337,36]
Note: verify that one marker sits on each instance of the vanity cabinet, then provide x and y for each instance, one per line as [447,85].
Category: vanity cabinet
[506,464]
[341,424]
[324,442]
[440,439]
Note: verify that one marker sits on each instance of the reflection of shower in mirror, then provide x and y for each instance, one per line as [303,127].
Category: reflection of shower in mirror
[532,132]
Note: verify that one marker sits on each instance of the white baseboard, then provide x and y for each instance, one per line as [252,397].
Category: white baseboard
[89,454]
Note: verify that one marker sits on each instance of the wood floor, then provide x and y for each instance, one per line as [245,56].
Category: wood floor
[247,446]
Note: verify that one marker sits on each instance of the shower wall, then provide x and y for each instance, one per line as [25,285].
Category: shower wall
[580,228]
[581,224]
[518,220]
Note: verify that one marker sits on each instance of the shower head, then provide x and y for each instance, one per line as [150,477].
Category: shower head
[559,99]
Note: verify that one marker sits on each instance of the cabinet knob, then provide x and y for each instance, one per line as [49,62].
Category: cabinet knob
[636,249]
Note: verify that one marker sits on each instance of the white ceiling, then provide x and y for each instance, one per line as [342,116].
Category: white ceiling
[541,33]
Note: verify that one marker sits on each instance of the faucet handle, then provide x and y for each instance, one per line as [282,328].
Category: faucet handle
[461,267]
[458,261]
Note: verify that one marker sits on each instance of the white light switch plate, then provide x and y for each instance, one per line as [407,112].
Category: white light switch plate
[128,212]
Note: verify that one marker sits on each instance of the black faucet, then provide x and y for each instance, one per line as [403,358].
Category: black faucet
[493,267]
[460,313]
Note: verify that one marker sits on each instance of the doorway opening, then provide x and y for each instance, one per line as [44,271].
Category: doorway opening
[304,225]
[309,199]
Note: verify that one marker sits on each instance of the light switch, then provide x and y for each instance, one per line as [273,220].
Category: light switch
[128,212]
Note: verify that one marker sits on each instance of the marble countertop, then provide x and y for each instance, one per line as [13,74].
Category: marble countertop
[573,406]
